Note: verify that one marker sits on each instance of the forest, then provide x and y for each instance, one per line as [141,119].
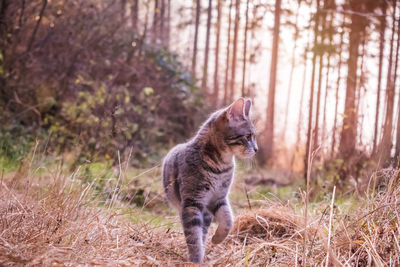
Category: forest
[93,95]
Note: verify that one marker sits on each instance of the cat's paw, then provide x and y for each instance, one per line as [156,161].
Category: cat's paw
[216,239]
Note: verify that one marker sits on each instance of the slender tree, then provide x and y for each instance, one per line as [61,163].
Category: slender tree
[292,66]
[196,33]
[386,142]
[246,28]
[205,67]
[300,120]
[360,85]
[217,41]
[135,15]
[123,9]
[397,148]
[328,68]
[334,129]
[348,136]
[234,52]
[226,91]
[269,130]
[33,36]
[321,52]
[168,22]
[382,28]
[311,103]
[156,21]
[162,32]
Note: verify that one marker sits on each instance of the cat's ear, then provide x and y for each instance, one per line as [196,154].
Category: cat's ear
[247,108]
[235,110]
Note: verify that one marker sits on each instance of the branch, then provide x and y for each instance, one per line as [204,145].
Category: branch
[36,27]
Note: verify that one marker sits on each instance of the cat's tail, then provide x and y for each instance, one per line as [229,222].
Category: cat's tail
[170,178]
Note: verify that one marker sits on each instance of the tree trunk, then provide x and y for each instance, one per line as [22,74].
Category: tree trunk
[348,137]
[311,103]
[386,143]
[321,66]
[300,120]
[328,68]
[226,91]
[360,86]
[123,6]
[168,22]
[293,63]
[162,19]
[382,28]
[245,50]
[216,69]
[234,52]
[397,150]
[205,73]
[33,36]
[337,89]
[269,130]
[155,22]
[134,16]
[196,33]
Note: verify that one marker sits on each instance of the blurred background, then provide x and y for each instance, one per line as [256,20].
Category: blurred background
[91,79]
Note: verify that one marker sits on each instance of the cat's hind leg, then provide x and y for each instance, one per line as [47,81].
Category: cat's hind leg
[224,217]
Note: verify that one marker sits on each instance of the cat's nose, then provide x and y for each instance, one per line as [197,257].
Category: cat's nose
[255,148]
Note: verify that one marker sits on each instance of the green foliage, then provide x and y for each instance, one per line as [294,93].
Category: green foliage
[103,118]
[15,144]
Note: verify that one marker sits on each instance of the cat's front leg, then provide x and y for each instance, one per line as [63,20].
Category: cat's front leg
[192,222]
[224,217]
[207,219]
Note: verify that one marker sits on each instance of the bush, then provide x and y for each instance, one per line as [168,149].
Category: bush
[95,85]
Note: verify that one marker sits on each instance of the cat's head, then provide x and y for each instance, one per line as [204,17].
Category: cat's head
[238,130]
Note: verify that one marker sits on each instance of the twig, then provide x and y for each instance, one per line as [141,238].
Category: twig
[330,226]
[117,186]
[309,160]
[32,39]
[247,196]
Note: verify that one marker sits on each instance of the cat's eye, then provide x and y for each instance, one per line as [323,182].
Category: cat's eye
[248,137]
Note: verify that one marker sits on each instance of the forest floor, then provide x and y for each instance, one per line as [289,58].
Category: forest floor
[103,215]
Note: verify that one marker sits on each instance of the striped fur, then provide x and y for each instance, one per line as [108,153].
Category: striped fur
[197,175]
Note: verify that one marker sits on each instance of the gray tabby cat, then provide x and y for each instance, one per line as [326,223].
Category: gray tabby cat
[197,175]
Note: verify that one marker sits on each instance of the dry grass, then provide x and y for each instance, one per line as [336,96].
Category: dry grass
[56,221]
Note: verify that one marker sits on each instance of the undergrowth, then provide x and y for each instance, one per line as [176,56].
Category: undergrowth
[103,215]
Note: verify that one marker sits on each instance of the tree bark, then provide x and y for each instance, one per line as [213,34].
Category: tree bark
[205,67]
[382,23]
[300,120]
[311,103]
[321,66]
[168,22]
[134,16]
[234,52]
[348,137]
[386,143]
[226,91]
[292,65]
[245,50]
[337,89]
[269,130]
[328,68]
[196,33]
[155,22]
[162,19]
[217,41]
[32,39]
